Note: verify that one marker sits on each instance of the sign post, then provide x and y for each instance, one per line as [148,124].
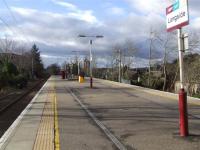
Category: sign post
[177,17]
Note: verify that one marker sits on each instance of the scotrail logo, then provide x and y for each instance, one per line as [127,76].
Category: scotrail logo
[173,7]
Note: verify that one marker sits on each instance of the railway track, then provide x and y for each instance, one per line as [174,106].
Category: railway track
[12,106]
[10,99]
[6,96]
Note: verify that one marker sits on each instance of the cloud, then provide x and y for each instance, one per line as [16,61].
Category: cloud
[50,28]
[85,16]
[56,33]
[116,10]
[65,4]
[196,23]
[149,6]
[75,12]
[194,8]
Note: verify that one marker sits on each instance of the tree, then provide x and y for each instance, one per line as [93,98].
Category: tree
[194,42]
[53,69]
[129,52]
[123,54]
[151,43]
[86,66]
[37,65]
[192,71]
[7,46]
[167,44]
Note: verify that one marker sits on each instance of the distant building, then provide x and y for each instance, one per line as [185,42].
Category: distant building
[12,57]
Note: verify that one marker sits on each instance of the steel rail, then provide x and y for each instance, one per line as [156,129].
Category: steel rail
[7,106]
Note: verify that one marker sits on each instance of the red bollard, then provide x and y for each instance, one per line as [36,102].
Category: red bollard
[91,84]
[63,74]
[183,113]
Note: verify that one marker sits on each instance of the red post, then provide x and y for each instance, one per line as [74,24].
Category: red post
[183,113]
[91,84]
[63,74]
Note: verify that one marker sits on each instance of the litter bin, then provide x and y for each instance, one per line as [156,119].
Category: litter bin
[81,77]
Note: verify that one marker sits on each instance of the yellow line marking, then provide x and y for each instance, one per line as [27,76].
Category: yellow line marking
[45,132]
[56,128]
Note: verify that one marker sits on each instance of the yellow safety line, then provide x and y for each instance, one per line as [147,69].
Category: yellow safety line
[56,129]
[45,132]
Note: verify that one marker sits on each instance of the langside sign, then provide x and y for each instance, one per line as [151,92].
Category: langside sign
[177,15]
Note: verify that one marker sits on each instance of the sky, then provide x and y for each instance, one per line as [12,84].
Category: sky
[54,25]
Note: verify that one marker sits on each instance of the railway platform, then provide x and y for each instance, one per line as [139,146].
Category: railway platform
[67,115]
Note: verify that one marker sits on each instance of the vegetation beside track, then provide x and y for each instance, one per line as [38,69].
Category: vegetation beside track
[19,70]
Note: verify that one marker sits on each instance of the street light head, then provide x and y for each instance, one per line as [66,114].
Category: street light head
[99,36]
[81,35]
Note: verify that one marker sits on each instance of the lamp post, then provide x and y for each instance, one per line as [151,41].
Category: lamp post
[91,41]
[120,62]
[77,54]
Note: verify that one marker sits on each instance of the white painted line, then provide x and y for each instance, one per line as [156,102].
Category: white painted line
[117,143]
[10,130]
[147,90]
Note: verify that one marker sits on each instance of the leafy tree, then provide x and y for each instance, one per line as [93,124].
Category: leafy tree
[53,69]
[75,69]
[7,73]
[38,68]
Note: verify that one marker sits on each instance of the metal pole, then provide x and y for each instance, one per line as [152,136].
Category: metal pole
[66,73]
[180,49]
[91,82]
[97,36]
[150,51]
[119,66]
[78,64]
[182,93]
[78,68]
[32,67]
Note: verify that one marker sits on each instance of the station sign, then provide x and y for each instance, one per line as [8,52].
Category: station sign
[177,15]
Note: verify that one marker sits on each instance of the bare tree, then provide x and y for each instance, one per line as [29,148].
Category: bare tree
[192,62]
[194,42]
[151,40]
[115,61]
[124,54]
[7,47]
[167,44]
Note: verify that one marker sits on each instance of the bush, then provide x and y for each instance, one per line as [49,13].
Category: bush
[20,81]
[157,83]
[135,82]
[9,69]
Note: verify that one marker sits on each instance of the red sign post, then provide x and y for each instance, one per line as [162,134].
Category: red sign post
[177,17]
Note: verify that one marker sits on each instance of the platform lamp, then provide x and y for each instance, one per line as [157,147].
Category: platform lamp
[91,41]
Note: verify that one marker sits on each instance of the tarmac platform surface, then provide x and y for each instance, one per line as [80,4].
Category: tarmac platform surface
[67,115]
